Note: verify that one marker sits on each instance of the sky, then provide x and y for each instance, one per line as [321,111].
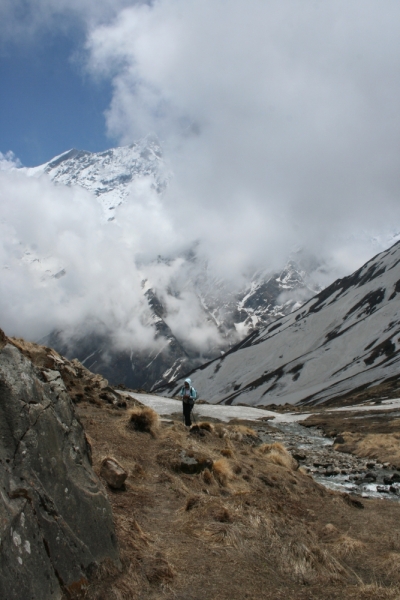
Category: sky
[278,119]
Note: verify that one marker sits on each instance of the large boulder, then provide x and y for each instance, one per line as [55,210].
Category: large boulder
[56,523]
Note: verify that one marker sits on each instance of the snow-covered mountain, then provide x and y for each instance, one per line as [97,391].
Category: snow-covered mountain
[116,177]
[109,174]
[346,337]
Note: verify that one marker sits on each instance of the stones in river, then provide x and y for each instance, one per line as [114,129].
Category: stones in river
[389,479]
[299,455]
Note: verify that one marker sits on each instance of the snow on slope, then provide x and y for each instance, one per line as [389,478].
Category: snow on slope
[109,174]
[345,337]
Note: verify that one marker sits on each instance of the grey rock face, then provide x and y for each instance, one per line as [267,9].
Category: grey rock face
[55,519]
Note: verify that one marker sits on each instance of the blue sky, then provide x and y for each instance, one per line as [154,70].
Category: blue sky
[48,104]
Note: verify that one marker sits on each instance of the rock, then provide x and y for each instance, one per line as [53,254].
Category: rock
[56,521]
[339,439]
[371,476]
[299,455]
[193,463]
[113,473]
[371,465]
[386,465]
[393,489]
[381,489]
[395,478]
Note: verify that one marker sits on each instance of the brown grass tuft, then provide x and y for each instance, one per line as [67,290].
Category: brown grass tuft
[245,431]
[346,545]
[144,419]
[222,471]
[276,453]
[207,476]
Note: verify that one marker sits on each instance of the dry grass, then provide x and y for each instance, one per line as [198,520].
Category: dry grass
[237,433]
[390,564]
[346,545]
[277,454]
[384,447]
[144,419]
[234,514]
[207,476]
[308,561]
[222,471]
[374,591]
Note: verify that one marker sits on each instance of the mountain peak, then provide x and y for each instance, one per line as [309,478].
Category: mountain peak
[108,174]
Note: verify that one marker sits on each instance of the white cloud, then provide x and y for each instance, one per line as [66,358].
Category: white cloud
[280,118]
[24,21]
[62,267]
[9,161]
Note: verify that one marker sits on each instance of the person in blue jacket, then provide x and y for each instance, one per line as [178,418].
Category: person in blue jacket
[189,395]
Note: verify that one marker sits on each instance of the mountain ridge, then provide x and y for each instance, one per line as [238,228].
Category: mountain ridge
[285,362]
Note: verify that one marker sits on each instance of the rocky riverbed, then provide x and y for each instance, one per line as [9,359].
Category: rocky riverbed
[335,470]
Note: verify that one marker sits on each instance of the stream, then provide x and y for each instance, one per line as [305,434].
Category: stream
[335,470]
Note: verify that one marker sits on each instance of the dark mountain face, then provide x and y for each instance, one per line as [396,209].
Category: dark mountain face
[346,337]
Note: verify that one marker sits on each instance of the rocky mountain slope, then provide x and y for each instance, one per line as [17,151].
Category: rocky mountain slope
[56,525]
[346,338]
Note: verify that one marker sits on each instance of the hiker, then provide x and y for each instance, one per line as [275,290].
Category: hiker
[189,396]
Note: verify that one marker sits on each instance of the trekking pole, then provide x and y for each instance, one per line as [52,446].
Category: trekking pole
[194,418]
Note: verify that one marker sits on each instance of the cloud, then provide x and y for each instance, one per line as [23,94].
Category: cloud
[9,161]
[62,267]
[279,119]
[24,21]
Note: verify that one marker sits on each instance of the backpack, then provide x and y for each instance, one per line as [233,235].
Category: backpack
[193,393]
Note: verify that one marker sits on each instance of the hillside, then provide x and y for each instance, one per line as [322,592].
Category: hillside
[213,512]
[345,339]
